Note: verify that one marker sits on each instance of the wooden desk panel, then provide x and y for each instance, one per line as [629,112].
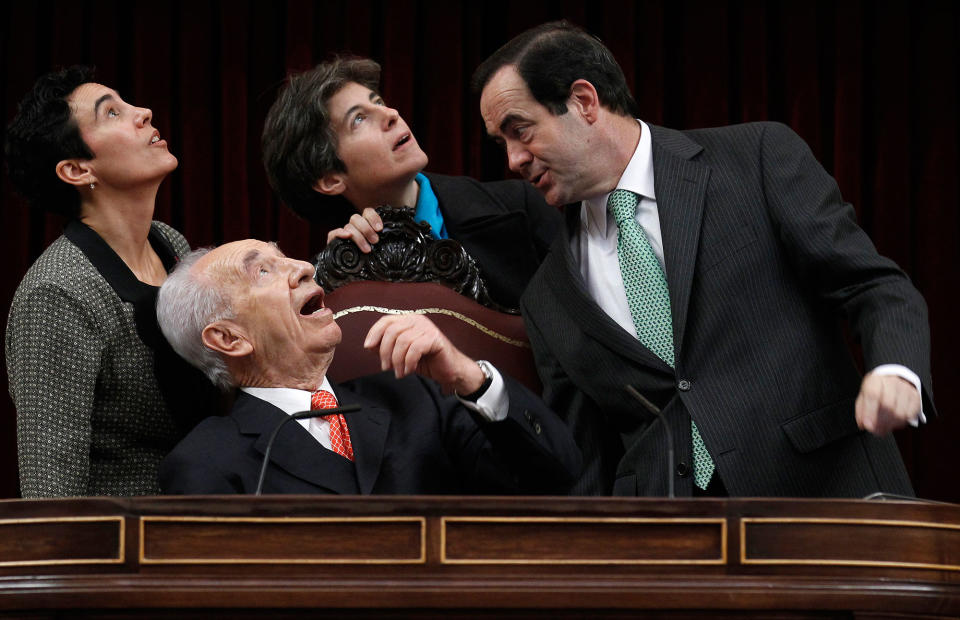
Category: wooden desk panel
[62,540]
[851,542]
[282,540]
[579,540]
[471,556]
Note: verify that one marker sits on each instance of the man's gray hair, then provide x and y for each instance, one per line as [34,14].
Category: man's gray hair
[186,304]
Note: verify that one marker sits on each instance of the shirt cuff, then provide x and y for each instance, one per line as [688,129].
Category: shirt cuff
[494,404]
[904,373]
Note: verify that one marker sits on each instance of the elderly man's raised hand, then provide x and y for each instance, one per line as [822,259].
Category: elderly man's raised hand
[362,228]
[410,343]
[886,403]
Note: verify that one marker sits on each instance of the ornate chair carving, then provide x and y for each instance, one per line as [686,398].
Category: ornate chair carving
[408,271]
[405,253]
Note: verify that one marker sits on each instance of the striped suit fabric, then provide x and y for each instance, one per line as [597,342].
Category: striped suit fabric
[764,263]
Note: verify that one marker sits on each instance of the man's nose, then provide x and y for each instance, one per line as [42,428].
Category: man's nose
[301,272]
[517,157]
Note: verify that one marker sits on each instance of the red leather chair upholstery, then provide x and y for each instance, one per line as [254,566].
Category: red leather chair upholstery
[478,331]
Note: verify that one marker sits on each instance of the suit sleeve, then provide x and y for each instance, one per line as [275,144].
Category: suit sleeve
[53,360]
[600,449]
[836,258]
[531,451]
[191,469]
[181,477]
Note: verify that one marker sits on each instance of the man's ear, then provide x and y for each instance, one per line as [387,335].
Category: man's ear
[226,337]
[585,100]
[75,172]
[331,184]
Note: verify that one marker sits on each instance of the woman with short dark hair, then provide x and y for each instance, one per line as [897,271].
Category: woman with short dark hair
[94,382]
[334,151]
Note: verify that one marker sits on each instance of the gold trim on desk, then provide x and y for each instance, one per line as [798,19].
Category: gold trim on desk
[461,317]
[722,522]
[285,520]
[744,521]
[121,541]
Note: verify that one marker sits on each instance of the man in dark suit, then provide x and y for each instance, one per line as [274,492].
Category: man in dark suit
[334,150]
[250,317]
[709,270]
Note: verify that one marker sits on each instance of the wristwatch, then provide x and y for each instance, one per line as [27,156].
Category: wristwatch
[487,371]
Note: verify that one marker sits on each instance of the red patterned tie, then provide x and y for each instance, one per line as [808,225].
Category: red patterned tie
[339,434]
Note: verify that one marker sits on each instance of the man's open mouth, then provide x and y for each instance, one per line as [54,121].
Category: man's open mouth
[403,140]
[314,303]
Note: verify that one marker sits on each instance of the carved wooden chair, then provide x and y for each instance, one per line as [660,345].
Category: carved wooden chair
[409,271]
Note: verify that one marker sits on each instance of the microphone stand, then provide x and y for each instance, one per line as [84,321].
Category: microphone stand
[666,427]
[300,415]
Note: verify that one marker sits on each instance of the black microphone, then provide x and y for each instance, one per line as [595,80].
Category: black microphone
[656,411]
[300,415]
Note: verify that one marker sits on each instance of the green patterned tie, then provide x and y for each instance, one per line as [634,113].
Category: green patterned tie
[649,301]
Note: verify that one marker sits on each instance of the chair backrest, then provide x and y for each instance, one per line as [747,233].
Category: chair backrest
[405,253]
[480,332]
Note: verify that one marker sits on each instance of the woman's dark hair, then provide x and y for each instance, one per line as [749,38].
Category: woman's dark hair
[300,146]
[42,134]
[551,57]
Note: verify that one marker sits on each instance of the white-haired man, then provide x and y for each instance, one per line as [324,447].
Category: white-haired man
[252,318]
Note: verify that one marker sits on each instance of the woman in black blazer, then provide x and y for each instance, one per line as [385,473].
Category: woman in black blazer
[334,151]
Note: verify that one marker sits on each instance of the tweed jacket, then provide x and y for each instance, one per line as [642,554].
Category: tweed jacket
[90,416]
[763,261]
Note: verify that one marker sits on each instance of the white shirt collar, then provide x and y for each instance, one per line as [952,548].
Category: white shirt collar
[637,177]
[289,400]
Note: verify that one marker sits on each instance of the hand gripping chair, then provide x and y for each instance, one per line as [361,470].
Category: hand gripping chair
[407,272]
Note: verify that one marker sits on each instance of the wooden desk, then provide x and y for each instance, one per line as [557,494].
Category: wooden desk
[468,556]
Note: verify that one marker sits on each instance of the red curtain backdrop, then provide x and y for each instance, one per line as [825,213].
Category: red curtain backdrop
[871,86]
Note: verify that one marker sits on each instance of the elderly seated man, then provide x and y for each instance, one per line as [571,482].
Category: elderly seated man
[252,318]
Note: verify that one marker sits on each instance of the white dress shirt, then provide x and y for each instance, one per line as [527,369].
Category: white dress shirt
[595,247]
[492,405]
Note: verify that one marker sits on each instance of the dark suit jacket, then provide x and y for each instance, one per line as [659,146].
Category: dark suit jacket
[505,226]
[407,438]
[762,259]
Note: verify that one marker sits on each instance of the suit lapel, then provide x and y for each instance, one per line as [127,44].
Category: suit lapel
[368,434]
[681,187]
[563,275]
[294,450]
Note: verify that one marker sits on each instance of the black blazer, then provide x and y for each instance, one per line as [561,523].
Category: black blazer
[505,226]
[407,438]
[763,259]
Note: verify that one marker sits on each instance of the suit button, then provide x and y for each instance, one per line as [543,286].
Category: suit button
[683,470]
[534,421]
[684,385]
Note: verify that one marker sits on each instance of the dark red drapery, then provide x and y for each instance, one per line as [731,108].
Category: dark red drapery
[871,86]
